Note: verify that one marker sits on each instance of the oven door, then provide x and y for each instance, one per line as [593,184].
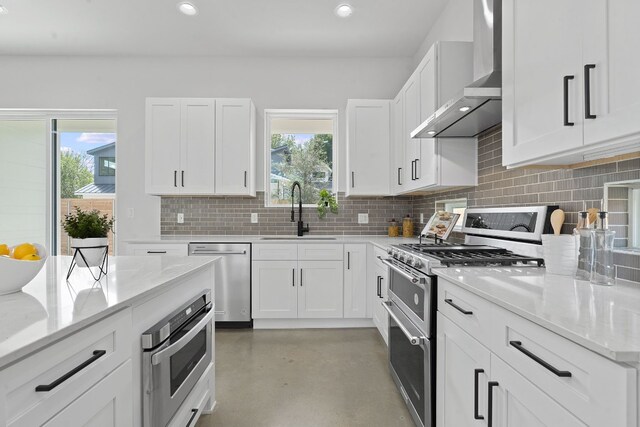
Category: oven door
[411,364]
[171,370]
[413,292]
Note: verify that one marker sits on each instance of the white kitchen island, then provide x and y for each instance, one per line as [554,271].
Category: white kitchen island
[54,326]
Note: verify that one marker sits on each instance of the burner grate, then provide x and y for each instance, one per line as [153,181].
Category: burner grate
[482,258]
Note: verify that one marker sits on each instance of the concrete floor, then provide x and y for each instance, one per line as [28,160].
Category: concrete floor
[304,378]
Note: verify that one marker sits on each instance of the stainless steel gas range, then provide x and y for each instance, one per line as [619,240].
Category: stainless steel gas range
[494,236]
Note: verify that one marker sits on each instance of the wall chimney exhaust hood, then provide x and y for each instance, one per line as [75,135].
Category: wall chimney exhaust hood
[478,106]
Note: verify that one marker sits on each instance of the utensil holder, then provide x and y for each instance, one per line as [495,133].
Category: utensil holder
[560,254]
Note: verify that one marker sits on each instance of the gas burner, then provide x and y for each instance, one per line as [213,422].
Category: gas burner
[484,258]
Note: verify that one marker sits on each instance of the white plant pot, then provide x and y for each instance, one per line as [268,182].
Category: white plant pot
[94,256]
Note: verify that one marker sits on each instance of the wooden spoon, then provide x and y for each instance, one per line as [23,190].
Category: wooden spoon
[557,219]
[592,215]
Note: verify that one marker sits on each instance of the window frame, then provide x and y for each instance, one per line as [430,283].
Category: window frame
[100,158]
[308,114]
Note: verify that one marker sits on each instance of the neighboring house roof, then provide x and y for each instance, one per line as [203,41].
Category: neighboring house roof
[278,177]
[96,189]
[101,148]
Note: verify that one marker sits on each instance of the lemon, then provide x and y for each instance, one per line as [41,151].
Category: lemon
[21,251]
[4,249]
[30,257]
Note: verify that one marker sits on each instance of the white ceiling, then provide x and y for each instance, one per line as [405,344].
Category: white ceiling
[377,28]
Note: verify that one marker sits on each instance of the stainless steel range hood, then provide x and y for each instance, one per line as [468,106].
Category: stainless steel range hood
[478,106]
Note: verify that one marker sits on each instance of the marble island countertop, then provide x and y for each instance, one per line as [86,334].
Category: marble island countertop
[604,319]
[50,307]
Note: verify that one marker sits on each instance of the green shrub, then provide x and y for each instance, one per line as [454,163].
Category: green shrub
[87,224]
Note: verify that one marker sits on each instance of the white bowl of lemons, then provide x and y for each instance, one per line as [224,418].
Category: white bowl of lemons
[19,265]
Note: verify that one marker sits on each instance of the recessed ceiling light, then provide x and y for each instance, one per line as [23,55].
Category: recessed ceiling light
[432,132]
[465,109]
[344,10]
[3,10]
[187,8]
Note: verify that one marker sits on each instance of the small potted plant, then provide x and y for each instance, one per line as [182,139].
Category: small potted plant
[327,203]
[88,231]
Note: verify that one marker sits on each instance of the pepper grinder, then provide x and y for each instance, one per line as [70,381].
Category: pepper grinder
[603,271]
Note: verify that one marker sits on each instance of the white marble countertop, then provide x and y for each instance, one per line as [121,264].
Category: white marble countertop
[379,240]
[50,307]
[604,319]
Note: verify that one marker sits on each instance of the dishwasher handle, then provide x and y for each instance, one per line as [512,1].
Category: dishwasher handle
[214,252]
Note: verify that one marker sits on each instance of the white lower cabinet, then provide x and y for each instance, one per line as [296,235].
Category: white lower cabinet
[355,281]
[158,249]
[496,368]
[107,404]
[274,294]
[320,290]
[464,365]
[379,283]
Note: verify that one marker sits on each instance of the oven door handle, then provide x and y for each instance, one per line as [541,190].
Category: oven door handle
[162,355]
[411,277]
[412,339]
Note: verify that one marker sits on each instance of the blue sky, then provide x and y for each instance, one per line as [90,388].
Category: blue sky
[301,138]
[80,142]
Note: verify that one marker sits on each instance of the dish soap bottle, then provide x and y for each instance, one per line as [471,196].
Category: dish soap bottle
[407,226]
[603,271]
[582,233]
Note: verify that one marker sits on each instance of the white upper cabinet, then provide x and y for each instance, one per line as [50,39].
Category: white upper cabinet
[235,147]
[162,146]
[191,152]
[435,163]
[196,175]
[612,62]
[398,142]
[569,90]
[368,135]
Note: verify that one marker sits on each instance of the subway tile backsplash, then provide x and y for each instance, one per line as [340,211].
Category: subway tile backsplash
[570,188]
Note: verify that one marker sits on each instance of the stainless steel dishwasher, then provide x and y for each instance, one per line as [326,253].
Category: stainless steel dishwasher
[232,281]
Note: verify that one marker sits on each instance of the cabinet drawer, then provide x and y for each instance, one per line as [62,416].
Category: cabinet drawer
[159,249]
[379,253]
[97,350]
[275,251]
[196,403]
[597,390]
[469,311]
[320,252]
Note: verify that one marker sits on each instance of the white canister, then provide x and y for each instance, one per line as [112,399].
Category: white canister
[560,254]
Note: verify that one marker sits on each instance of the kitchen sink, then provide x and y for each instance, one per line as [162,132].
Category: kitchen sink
[296,238]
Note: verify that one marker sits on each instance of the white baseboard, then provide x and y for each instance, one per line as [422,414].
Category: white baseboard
[311,323]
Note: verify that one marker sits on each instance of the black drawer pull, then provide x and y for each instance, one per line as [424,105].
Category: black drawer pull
[156,252]
[194,412]
[457,307]
[97,354]
[476,374]
[518,346]
[490,386]
[379,290]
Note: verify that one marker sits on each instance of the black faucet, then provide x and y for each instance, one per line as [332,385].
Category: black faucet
[301,228]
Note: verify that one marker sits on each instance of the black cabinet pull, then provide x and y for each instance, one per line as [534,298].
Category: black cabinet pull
[97,354]
[300,277]
[399,173]
[457,307]
[175,178]
[379,289]
[490,386]
[518,346]
[245,179]
[566,100]
[587,91]
[156,252]
[476,375]
[417,177]
[348,260]
[293,277]
[353,179]
[413,169]
[183,178]
[194,412]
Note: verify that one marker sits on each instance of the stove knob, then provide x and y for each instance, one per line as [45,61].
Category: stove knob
[417,263]
[389,251]
[410,260]
[401,257]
